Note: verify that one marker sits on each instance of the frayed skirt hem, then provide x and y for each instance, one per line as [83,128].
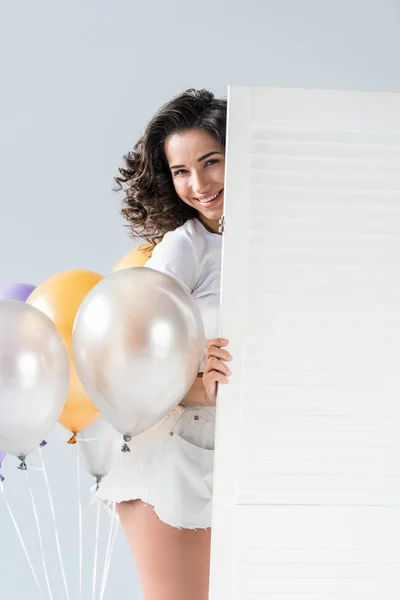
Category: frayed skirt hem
[110,505]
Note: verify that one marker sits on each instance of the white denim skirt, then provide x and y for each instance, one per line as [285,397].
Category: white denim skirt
[169,466]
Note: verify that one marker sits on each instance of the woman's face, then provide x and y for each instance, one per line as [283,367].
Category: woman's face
[197,163]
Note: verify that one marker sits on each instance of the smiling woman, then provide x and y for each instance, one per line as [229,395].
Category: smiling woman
[199,176]
[181,156]
[173,184]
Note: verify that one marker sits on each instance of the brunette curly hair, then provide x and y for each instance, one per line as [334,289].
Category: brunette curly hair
[150,203]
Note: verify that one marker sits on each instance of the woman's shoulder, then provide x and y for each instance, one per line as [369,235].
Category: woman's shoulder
[175,255]
[182,239]
[191,230]
[191,237]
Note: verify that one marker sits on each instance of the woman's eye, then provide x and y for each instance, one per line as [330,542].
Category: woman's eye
[212,161]
[179,172]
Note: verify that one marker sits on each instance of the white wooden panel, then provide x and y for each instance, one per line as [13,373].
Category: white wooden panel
[311,304]
[313,553]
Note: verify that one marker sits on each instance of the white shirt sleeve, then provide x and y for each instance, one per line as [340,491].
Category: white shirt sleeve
[175,256]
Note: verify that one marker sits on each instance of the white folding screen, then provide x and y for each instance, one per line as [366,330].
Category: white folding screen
[307,463]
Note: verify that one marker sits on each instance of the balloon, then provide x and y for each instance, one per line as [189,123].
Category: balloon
[137,257]
[96,443]
[16,291]
[138,342]
[34,375]
[2,457]
[60,298]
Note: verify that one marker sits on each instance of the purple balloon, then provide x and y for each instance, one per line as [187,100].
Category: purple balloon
[16,291]
[2,456]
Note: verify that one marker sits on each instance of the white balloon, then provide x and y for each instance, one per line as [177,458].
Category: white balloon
[96,444]
[34,376]
[138,342]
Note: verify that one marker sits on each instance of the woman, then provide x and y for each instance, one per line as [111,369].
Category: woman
[173,185]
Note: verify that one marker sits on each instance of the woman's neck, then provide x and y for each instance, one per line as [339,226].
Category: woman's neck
[211,226]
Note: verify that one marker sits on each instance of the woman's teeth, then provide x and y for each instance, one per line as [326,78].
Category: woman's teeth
[207,200]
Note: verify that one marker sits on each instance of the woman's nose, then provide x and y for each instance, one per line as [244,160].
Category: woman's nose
[200,184]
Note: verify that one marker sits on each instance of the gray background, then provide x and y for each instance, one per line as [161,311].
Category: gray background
[78,82]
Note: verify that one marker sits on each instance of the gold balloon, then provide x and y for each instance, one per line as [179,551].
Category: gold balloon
[60,298]
[137,257]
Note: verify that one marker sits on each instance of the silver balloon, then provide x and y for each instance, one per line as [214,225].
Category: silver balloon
[96,444]
[34,377]
[138,341]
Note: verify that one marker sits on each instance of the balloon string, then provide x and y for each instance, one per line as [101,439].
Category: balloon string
[55,524]
[150,441]
[21,539]
[80,527]
[39,535]
[111,540]
[96,550]
[110,549]
[103,581]
[163,444]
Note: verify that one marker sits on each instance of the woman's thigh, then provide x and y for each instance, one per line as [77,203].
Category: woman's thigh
[172,563]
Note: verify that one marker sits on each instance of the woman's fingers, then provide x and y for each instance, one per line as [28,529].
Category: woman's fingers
[214,364]
[215,377]
[214,348]
[213,351]
[217,342]
[215,369]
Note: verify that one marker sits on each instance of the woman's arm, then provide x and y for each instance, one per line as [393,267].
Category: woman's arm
[204,390]
[196,396]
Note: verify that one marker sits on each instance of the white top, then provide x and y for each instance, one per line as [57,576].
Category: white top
[192,255]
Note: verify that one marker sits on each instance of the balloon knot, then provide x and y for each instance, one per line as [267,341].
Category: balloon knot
[1,478]
[43,444]
[72,440]
[125,447]
[97,479]
[22,466]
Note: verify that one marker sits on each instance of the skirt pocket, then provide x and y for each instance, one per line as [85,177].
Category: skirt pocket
[197,426]
[182,485]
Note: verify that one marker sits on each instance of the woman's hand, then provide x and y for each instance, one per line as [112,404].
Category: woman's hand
[215,369]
